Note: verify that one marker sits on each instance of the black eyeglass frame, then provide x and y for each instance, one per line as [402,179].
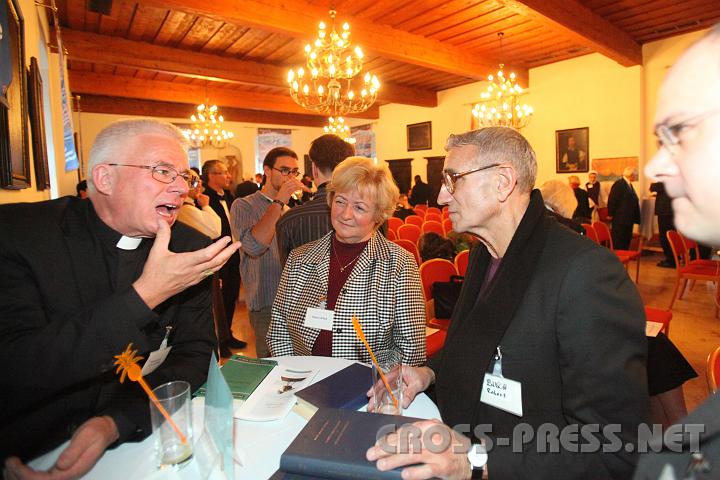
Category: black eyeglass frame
[157,173]
[284,171]
[449,178]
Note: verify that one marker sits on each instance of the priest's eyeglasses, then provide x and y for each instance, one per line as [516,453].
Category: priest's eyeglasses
[164,173]
[669,135]
[449,178]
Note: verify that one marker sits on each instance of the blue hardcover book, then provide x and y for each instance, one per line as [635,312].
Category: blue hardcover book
[333,445]
[344,389]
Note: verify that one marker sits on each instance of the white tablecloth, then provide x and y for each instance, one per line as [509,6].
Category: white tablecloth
[257,444]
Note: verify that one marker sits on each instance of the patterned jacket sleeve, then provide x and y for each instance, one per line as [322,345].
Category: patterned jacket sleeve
[409,329]
[278,337]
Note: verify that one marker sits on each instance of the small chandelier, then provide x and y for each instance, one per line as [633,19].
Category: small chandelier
[331,84]
[336,126]
[501,103]
[207,129]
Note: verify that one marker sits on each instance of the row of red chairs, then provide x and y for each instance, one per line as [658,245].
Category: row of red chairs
[599,233]
[407,231]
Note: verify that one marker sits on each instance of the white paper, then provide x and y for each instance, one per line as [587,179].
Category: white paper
[319,318]
[502,393]
[275,396]
[652,328]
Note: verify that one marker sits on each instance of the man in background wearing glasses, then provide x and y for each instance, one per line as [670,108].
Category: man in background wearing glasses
[687,124]
[253,220]
[548,333]
[80,280]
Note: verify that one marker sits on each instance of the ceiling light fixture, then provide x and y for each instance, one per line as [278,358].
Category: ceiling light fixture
[208,128]
[331,81]
[336,126]
[501,103]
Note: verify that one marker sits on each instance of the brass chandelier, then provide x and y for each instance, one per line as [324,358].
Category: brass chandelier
[501,103]
[337,126]
[331,81]
[208,128]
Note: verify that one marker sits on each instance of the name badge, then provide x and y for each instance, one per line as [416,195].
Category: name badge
[155,359]
[502,393]
[319,318]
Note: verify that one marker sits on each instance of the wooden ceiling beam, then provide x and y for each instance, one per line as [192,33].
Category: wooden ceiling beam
[130,87]
[583,26]
[299,19]
[104,49]
[149,108]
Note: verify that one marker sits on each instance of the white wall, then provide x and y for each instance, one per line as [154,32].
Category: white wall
[243,145]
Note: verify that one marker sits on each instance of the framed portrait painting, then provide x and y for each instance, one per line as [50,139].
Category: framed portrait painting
[14,145]
[419,136]
[572,150]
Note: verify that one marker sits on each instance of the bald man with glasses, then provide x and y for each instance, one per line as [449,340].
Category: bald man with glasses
[687,125]
[80,280]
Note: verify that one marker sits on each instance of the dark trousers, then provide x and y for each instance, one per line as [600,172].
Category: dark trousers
[230,277]
[665,223]
[621,236]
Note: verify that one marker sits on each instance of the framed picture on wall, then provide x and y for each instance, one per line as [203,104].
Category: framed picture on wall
[14,146]
[37,125]
[419,136]
[572,150]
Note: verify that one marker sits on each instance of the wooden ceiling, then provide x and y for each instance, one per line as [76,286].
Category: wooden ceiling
[162,57]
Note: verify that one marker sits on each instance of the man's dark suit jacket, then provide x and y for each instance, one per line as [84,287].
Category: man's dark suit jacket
[674,464]
[571,328]
[62,321]
[623,204]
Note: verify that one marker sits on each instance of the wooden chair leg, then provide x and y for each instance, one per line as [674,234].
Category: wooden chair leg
[672,300]
[637,270]
[684,287]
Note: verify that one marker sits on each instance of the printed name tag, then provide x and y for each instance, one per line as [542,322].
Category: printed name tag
[319,318]
[155,359]
[502,393]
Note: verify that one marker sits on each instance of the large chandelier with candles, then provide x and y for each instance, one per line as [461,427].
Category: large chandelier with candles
[208,128]
[331,81]
[501,103]
[337,126]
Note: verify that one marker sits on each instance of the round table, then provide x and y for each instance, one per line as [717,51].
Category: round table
[258,445]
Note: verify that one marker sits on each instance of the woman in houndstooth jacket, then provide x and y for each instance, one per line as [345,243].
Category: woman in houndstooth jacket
[351,271]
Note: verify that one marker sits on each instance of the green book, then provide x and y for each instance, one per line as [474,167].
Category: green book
[243,375]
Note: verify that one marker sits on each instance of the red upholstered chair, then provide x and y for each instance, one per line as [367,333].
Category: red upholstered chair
[433,210]
[434,342]
[409,232]
[461,262]
[713,370]
[431,271]
[687,271]
[603,214]
[410,247]
[447,226]
[445,214]
[659,316]
[432,226]
[391,235]
[625,256]
[420,212]
[590,232]
[414,220]
[691,245]
[394,223]
[433,217]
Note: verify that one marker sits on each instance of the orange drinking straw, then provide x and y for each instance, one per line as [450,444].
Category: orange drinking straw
[361,336]
[127,363]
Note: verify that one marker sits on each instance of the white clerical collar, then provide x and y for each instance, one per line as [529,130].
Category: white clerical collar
[128,243]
